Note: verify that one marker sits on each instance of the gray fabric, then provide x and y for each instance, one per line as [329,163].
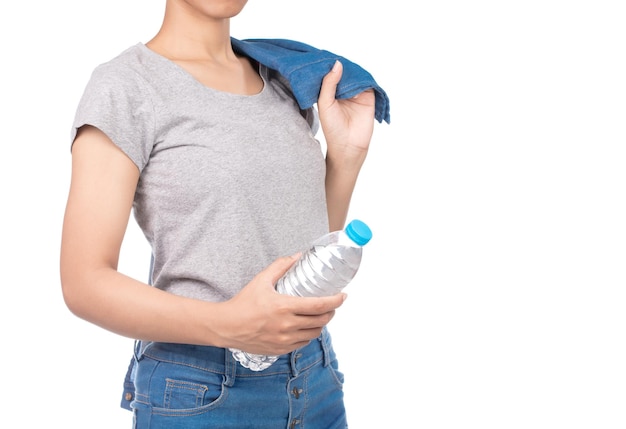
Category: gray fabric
[228,182]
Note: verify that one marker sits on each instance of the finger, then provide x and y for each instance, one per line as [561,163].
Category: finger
[306,335]
[315,306]
[279,267]
[308,323]
[329,84]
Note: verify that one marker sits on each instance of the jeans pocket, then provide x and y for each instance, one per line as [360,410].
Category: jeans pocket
[178,388]
[184,394]
[337,375]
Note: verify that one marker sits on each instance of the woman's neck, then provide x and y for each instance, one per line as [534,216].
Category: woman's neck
[192,34]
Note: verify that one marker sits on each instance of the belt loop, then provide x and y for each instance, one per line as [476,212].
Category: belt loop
[137,350]
[230,368]
[294,356]
[325,340]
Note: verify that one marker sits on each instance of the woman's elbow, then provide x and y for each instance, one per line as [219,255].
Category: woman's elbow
[69,289]
[74,291]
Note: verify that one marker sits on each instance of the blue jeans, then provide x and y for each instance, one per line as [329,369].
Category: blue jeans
[185,386]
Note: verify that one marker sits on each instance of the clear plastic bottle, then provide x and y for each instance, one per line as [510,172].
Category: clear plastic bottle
[324,269]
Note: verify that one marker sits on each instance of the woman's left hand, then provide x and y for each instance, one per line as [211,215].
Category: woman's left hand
[347,124]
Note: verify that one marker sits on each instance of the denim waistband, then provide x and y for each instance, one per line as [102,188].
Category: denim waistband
[220,360]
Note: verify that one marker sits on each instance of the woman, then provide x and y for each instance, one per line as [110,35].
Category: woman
[221,168]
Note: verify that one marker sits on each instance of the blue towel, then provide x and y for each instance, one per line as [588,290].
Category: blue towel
[304,67]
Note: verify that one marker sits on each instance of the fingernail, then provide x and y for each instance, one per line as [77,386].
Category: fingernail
[336,65]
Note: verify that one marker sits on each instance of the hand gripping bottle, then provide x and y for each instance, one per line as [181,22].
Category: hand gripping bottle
[324,269]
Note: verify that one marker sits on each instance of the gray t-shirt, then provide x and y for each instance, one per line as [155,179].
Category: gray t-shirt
[228,182]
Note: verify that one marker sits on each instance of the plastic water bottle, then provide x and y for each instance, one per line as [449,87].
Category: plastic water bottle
[324,269]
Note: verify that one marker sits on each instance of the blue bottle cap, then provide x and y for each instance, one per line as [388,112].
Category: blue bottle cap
[359,232]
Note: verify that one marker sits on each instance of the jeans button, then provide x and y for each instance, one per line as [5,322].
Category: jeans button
[296,392]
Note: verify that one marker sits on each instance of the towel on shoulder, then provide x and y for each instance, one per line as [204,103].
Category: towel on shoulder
[304,67]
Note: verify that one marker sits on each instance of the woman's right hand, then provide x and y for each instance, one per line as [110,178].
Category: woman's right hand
[261,320]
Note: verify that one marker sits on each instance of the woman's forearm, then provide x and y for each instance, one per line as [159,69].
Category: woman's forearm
[134,309]
[342,171]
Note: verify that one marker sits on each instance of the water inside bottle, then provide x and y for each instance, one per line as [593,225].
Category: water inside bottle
[325,270]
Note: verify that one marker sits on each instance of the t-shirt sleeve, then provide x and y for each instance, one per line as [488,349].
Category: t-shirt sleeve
[118,102]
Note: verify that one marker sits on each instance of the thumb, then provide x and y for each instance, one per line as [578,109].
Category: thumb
[280,266]
[329,85]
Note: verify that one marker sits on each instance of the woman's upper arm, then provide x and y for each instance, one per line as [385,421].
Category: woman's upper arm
[102,189]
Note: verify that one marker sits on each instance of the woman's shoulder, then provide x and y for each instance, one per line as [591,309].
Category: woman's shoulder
[128,59]
[129,67]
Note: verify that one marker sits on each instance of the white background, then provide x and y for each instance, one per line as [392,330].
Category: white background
[493,292]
